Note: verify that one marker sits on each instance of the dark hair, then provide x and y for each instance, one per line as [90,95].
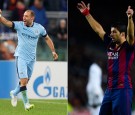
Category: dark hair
[120,27]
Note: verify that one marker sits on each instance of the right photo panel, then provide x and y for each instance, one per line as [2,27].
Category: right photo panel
[101,52]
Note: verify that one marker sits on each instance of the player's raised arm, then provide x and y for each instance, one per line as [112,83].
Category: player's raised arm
[130,27]
[51,46]
[93,23]
[5,21]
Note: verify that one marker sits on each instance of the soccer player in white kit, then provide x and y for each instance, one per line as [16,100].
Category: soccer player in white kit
[94,89]
[28,33]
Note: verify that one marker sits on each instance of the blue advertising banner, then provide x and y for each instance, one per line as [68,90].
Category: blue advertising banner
[8,78]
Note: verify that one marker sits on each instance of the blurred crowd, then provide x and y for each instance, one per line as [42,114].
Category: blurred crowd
[81,57]
[56,27]
[50,5]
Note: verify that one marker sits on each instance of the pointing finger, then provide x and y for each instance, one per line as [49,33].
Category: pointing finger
[83,3]
[129,7]
[88,6]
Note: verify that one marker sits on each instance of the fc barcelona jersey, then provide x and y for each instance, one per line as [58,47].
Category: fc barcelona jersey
[120,60]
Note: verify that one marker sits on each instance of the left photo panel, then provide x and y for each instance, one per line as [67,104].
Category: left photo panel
[34,57]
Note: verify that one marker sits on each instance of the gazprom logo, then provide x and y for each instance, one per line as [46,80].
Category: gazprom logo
[47,75]
[42,86]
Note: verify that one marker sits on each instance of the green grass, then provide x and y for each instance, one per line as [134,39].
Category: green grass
[42,107]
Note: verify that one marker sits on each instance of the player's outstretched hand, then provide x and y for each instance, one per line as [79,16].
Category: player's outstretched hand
[55,56]
[84,9]
[129,12]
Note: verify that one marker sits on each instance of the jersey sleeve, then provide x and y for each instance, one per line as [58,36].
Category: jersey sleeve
[107,40]
[130,46]
[43,32]
[16,25]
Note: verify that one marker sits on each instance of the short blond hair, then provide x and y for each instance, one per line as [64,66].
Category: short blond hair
[32,12]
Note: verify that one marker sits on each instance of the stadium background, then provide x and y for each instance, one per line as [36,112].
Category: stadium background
[54,12]
[49,79]
[85,46]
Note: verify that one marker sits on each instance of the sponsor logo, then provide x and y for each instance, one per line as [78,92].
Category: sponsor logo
[36,32]
[28,36]
[112,55]
[42,86]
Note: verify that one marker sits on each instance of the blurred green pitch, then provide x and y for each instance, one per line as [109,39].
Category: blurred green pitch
[42,107]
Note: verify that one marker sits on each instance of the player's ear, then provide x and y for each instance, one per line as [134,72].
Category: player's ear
[33,18]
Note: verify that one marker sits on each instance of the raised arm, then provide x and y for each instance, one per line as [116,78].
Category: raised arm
[51,46]
[93,23]
[130,27]
[5,21]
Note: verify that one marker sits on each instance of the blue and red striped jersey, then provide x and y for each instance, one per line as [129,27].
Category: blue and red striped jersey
[120,60]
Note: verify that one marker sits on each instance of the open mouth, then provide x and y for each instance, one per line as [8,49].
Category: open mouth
[113,39]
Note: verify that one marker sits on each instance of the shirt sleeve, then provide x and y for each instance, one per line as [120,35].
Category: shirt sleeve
[16,25]
[43,32]
[107,40]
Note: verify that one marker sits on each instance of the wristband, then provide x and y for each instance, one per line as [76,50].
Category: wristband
[86,12]
[0,15]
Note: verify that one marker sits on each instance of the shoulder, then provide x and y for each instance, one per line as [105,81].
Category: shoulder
[126,44]
[126,47]
[18,22]
[21,22]
[41,29]
[38,25]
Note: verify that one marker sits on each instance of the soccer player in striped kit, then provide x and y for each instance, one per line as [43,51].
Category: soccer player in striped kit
[120,51]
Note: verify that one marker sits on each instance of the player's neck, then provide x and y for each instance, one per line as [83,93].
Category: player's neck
[120,43]
[30,25]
